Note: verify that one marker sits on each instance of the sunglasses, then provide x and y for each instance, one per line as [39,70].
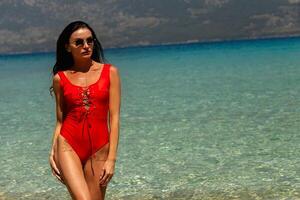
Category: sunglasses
[80,42]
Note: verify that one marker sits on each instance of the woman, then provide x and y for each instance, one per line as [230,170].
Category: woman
[87,93]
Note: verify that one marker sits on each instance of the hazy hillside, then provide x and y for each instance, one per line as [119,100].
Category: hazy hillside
[34,25]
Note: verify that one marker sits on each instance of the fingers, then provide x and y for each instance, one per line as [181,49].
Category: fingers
[105,178]
[102,174]
[58,177]
[54,167]
[55,170]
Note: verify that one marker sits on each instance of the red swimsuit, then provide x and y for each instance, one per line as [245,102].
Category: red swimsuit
[85,113]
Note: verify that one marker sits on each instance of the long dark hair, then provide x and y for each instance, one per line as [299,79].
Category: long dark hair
[64,59]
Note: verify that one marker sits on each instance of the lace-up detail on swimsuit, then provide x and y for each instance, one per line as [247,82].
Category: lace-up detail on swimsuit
[86,106]
[85,98]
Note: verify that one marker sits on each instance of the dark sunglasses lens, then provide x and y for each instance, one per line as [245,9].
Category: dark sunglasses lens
[79,42]
[89,40]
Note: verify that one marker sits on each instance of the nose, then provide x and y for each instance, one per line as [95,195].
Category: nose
[85,44]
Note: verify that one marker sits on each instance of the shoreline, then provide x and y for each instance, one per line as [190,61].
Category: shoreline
[211,41]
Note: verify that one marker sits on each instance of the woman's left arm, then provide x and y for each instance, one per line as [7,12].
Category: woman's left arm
[114,111]
[114,118]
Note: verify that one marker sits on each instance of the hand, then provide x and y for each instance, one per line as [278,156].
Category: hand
[107,172]
[54,168]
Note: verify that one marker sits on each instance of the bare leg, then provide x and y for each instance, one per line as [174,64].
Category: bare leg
[97,192]
[71,170]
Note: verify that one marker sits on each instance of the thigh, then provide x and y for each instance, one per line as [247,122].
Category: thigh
[71,170]
[97,192]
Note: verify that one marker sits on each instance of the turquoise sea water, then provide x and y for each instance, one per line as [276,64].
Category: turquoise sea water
[198,121]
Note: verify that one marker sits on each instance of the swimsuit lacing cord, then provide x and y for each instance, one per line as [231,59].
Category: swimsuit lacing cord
[90,140]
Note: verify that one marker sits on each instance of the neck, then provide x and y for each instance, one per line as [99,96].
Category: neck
[82,65]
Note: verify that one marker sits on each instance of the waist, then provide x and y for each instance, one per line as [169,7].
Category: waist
[79,115]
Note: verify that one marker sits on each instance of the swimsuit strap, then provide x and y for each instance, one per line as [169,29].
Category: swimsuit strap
[107,72]
[63,78]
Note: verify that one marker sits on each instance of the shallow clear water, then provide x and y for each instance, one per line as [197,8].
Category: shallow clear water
[198,121]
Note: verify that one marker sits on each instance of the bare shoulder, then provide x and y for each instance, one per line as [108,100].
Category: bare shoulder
[56,79]
[56,82]
[114,71]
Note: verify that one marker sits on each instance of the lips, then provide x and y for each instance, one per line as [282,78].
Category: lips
[86,52]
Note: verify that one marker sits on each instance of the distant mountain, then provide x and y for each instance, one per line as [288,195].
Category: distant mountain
[34,25]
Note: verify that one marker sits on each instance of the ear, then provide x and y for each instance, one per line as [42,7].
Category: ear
[67,48]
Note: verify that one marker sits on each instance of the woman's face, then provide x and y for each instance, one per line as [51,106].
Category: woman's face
[81,44]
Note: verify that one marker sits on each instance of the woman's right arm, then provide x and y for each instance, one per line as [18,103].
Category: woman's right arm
[59,116]
[59,113]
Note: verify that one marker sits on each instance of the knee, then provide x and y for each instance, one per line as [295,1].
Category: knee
[82,196]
